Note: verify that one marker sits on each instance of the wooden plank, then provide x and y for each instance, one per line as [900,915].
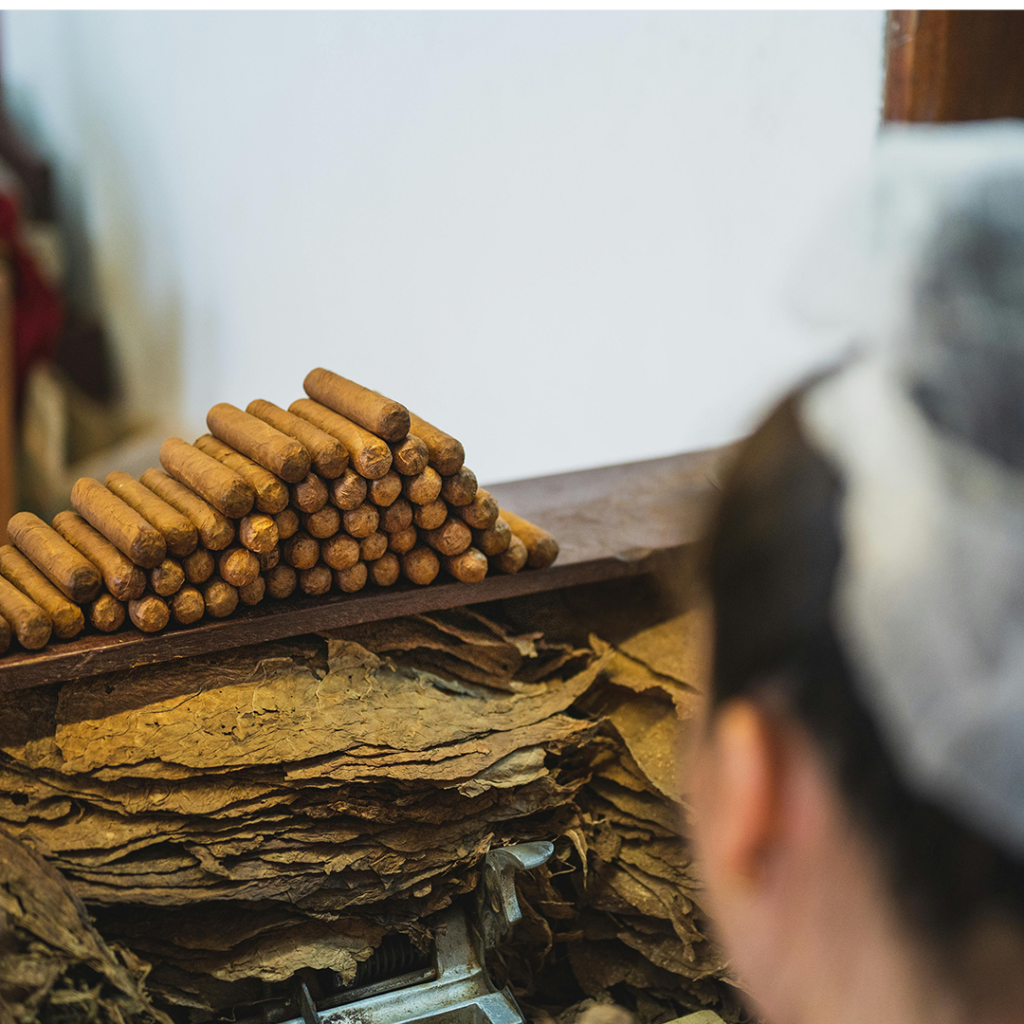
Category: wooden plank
[611,523]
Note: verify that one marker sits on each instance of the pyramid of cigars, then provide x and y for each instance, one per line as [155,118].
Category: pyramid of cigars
[345,490]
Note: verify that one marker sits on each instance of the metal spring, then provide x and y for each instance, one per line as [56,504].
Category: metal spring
[394,956]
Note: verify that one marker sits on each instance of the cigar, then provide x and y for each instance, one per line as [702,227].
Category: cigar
[379,415]
[339,551]
[385,570]
[258,532]
[385,491]
[188,606]
[215,530]
[403,540]
[396,517]
[220,598]
[67,569]
[423,488]
[301,551]
[495,539]
[446,454]
[179,533]
[142,542]
[420,565]
[67,618]
[315,581]
[430,517]
[269,448]
[452,537]
[121,576]
[349,490]
[252,593]
[167,578]
[281,582]
[361,522]
[351,580]
[368,455]
[106,613]
[409,456]
[373,546]
[328,456]
[460,488]
[149,613]
[5,635]
[481,513]
[270,490]
[223,488]
[513,558]
[468,567]
[287,523]
[309,494]
[238,566]
[198,567]
[323,524]
[31,625]
[541,547]
[268,559]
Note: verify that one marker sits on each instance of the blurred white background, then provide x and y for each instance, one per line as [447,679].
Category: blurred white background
[562,237]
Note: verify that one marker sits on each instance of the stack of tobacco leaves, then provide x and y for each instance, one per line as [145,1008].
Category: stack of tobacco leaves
[231,820]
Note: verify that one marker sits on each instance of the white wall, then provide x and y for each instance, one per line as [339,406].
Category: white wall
[560,236]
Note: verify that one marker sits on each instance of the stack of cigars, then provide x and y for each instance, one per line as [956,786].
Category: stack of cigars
[343,490]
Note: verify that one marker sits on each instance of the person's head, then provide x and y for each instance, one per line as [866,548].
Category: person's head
[860,794]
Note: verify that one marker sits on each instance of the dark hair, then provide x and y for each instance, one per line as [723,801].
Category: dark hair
[773,558]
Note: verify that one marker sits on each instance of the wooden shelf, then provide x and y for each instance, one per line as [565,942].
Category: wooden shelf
[611,522]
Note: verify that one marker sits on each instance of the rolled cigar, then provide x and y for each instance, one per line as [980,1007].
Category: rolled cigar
[409,456]
[385,570]
[167,578]
[223,488]
[379,415]
[328,456]
[149,613]
[198,567]
[373,546]
[122,577]
[188,606]
[468,567]
[481,513]
[446,454]
[368,455]
[423,488]
[287,523]
[271,491]
[385,491]
[460,488]
[179,532]
[420,565]
[396,517]
[403,540]
[142,542]
[66,617]
[258,532]
[238,566]
[310,494]
[349,490]
[315,581]
[252,593]
[301,551]
[541,547]
[452,537]
[361,522]
[30,623]
[322,524]
[430,517]
[65,567]
[281,582]
[513,558]
[281,454]
[106,613]
[268,559]
[5,634]
[351,580]
[215,530]
[495,539]
[340,551]
[220,598]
